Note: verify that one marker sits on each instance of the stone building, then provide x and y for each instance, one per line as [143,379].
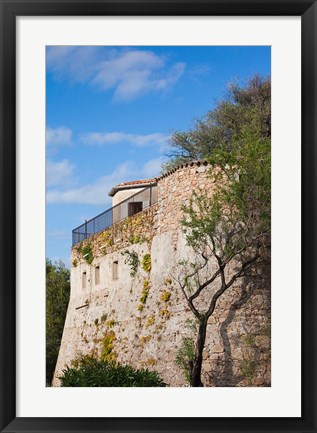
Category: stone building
[126,304]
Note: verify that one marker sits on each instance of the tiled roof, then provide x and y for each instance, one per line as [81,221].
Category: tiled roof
[148,182]
[136,182]
[131,184]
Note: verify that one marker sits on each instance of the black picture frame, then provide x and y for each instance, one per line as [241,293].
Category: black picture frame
[10,9]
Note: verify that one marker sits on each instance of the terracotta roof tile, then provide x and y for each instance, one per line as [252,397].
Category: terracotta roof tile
[136,182]
[131,184]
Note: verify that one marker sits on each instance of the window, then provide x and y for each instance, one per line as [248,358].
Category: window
[84,280]
[97,275]
[115,270]
[134,207]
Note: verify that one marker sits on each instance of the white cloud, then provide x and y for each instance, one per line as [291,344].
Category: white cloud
[136,82]
[58,136]
[59,173]
[101,138]
[130,73]
[152,168]
[95,193]
[77,64]
[116,69]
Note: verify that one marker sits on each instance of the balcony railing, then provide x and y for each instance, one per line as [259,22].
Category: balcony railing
[132,205]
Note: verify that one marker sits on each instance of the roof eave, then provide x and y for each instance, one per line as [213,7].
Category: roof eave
[117,188]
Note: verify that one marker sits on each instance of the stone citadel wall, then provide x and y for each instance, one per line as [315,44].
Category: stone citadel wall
[130,307]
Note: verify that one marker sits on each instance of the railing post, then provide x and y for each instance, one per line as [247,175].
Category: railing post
[85,229]
[150,195]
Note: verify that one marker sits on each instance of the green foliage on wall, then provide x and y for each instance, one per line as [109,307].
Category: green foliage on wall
[79,248]
[132,260]
[185,357]
[146,262]
[145,293]
[165,296]
[110,323]
[87,253]
[106,238]
[150,321]
[136,239]
[107,352]
[250,340]
[104,317]
[248,368]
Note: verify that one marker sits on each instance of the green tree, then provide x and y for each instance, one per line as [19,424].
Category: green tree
[229,231]
[244,106]
[57,297]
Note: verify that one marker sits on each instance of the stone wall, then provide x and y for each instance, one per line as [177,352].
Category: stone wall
[142,315]
[175,189]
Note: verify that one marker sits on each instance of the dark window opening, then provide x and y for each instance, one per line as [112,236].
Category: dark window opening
[115,270]
[97,275]
[134,207]
[84,278]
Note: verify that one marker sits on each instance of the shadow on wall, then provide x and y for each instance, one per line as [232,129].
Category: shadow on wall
[252,369]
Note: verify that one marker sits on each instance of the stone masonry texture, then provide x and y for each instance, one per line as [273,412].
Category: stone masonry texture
[141,310]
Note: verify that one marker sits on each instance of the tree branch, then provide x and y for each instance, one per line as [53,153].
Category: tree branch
[225,287]
[190,304]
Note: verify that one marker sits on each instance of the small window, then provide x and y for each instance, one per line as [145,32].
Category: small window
[84,280]
[115,270]
[134,207]
[97,275]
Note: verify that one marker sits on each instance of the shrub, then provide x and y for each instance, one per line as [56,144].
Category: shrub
[150,321]
[87,253]
[93,373]
[132,259]
[185,357]
[107,353]
[146,262]
[104,317]
[110,323]
[144,295]
[165,296]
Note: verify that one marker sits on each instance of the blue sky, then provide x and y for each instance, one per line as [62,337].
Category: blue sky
[110,112]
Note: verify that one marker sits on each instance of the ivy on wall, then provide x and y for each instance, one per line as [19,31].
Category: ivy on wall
[132,260]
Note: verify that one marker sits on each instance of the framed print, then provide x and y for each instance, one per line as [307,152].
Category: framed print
[165,152]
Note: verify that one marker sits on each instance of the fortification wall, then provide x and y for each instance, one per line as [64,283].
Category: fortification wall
[140,319]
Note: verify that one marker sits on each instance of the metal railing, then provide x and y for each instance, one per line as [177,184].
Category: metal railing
[132,205]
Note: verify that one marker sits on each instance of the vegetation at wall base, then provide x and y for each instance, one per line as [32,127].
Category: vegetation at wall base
[90,372]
